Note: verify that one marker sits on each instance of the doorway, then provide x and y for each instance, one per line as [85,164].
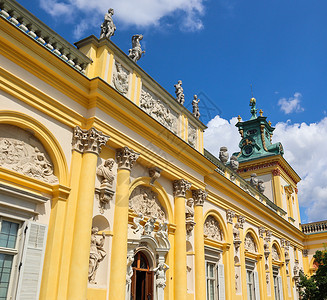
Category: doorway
[142,279]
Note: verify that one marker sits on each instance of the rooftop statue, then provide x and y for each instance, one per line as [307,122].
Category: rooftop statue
[253,108]
[195,104]
[179,92]
[136,52]
[108,27]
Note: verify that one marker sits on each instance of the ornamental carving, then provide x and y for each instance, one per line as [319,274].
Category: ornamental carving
[97,254]
[212,229]
[158,110]
[180,187]
[199,197]
[154,173]
[20,151]
[274,253]
[120,79]
[261,231]
[90,140]
[192,136]
[250,244]
[276,172]
[230,215]
[288,189]
[189,215]
[143,201]
[126,158]
[241,221]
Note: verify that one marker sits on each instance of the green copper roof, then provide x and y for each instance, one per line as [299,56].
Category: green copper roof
[256,136]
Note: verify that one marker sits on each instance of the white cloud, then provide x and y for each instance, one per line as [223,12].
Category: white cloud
[304,146]
[291,104]
[139,13]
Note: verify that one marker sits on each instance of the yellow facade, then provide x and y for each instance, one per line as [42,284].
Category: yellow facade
[62,120]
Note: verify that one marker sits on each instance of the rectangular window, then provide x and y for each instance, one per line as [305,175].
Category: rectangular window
[250,284]
[211,281]
[8,253]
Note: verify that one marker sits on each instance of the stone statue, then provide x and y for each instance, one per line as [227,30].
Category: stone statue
[108,27]
[189,211]
[261,186]
[97,254]
[195,104]
[149,226]
[162,234]
[129,273]
[236,232]
[136,223]
[234,163]
[136,52]
[223,155]
[254,180]
[179,92]
[105,173]
[160,272]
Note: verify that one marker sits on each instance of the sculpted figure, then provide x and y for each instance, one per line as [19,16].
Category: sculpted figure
[234,163]
[254,179]
[129,273]
[97,254]
[179,92]
[162,233]
[189,211]
[195,104]
[136,52]
[160,272]
[105,173]
[108,27]
[136,223]
[149,226]
[223,155]
[261,187]
[236,232]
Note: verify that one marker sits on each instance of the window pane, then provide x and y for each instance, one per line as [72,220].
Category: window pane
[5,270]
[8,234]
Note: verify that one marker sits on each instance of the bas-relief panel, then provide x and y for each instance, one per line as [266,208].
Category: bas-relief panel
[120,78]
[249,243]
[145,201]
[212,229]
[20,151]
[159,110]
[192,136]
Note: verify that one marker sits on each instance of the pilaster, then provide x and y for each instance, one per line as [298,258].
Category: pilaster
[117,286]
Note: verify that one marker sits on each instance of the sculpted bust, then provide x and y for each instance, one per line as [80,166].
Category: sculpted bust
[223,155]
[105,173]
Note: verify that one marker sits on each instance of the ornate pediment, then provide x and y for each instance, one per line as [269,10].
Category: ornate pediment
[144,200]
[22,152]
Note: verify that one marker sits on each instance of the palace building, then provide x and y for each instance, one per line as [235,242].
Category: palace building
[107,191]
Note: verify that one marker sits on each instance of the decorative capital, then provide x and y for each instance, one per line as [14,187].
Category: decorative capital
[154,173]
[126,158]
[90,140]
[276,172]
[261,231]
[268,235]
[180,187]
[199,197]
[230,215]
[282,242]
[241,221]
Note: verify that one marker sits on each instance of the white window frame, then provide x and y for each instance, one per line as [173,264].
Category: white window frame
[250,267]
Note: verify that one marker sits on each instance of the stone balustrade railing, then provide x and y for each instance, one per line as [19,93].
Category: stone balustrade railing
[314,227]
[18,16]
[243,184]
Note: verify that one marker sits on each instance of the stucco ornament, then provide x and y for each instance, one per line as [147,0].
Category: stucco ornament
[261,231]
[180,98]
[189,215]
[192,136]
[212,229]
[149,226]
[158,110]
[126,158]
[129,273]
[108,27]
[162,234]
[105,173]
[261,186]
[180,187]
[236,232]
[254,180]
[195,104]
[160,272]
[249,243]
[120,79]
[274,253]
[223,155]
[136,52]
[234,163]
[97,254]
[145,201]
[154,173]
[136,223]
[26,158]
[230,215]
[241,220]
[199,197]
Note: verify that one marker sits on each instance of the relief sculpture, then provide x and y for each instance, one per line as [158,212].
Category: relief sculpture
[158,110]
[24,154]
[212,229]
[145,201]
[250,244]
[120,79]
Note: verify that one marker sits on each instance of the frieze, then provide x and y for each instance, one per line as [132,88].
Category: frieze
[158,110]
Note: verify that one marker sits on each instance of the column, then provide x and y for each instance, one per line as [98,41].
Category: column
[199,197]
[261,264]
[231,268]
[277,188]
[90,143]
[117,286]
[180,187]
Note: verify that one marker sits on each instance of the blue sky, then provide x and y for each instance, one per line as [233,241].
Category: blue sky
[219,48]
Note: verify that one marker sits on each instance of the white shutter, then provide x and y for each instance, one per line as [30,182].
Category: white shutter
[221,282]
[256,286]
[280,287]
[32,262]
